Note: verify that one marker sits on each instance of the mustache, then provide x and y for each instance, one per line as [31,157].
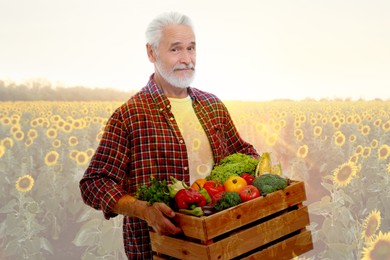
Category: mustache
[184,66]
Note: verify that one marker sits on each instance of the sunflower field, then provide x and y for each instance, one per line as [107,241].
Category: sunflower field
[340,149]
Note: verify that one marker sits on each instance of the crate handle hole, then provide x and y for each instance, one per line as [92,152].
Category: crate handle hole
[238,216]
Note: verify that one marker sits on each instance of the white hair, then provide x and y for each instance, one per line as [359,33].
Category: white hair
[155,27]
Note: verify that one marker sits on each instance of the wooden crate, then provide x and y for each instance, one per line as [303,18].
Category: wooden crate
[270,227]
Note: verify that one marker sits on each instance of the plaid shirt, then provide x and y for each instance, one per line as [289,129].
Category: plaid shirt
[142,139]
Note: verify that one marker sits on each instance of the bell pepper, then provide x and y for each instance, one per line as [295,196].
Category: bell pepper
[248,178]
[204,192]
[185,198]
[197,211]
[175,186]
[214,189]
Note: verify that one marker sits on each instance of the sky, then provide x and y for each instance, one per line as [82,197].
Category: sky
[246,50]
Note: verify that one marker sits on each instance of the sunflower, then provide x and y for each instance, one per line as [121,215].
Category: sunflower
[365,130]
[349,120]
[383,152]
[317,130]
[337,124]
[386,126]
[377,122]
[371,225]
[271,139]
[81,158]
[73,154]
[28,142]
[324,120]
[24,183]
[388,167]
[90,152]
[99,136]
[2,150]
[32,133]
[18,135]
[51,158]
[374,143]
[51,133]
[73,141]
[343,175]
[298,132]
[302,151]
[6,121]
[67,128]
[352,138]
[7,142]
[354,158]
[366,152]
[379,248]
[56,143]
[339,138]
[359,149]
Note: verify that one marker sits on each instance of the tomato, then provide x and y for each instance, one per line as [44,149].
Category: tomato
[249,192]
[214,189]
[235,183]
[249,178]
[198,184]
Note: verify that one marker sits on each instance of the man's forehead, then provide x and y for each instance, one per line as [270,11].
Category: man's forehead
[178,34]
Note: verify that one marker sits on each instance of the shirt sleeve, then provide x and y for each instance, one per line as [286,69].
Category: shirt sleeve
[101,186]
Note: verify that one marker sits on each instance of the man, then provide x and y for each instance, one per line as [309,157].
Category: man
[166,129]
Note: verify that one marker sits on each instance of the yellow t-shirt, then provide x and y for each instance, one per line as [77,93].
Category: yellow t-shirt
[199,151]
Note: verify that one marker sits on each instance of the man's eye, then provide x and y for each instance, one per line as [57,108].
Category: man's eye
[173,50]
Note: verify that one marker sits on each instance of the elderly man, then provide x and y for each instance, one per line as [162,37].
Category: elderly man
[166,129]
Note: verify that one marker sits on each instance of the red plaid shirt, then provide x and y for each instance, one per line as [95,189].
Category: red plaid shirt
[142,139]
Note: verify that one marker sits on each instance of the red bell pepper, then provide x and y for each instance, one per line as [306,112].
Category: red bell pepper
[185,198]
[248,178]
[214,189]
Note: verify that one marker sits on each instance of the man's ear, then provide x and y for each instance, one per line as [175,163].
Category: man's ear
[151,53]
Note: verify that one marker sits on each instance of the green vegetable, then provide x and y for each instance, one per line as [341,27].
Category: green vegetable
[197,211]
[228,200]
[268,183]
[157,191]
[234,164]
[175,186]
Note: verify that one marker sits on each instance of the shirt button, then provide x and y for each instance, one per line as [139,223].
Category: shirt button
[185,168]
[161,109]
[181,141]
[171,119]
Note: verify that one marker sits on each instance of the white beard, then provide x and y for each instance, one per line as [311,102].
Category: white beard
[170,77]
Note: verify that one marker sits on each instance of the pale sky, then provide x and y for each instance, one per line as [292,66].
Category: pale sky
[246,50]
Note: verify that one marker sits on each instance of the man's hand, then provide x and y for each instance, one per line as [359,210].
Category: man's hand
[157,215]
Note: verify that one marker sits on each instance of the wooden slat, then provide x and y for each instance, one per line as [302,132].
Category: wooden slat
[286,249]
[178,248]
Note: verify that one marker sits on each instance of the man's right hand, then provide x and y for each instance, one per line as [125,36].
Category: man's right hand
[157,215]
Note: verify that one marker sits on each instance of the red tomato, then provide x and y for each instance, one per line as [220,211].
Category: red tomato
[249,178]
[234,183]
[214,189]
[249,192]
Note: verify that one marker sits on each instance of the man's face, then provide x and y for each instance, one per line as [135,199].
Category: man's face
[176,55]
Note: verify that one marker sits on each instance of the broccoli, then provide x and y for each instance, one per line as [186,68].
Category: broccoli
[233,165]
[228,200]
[268,183]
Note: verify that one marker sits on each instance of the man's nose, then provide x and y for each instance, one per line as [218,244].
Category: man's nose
[186,57]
